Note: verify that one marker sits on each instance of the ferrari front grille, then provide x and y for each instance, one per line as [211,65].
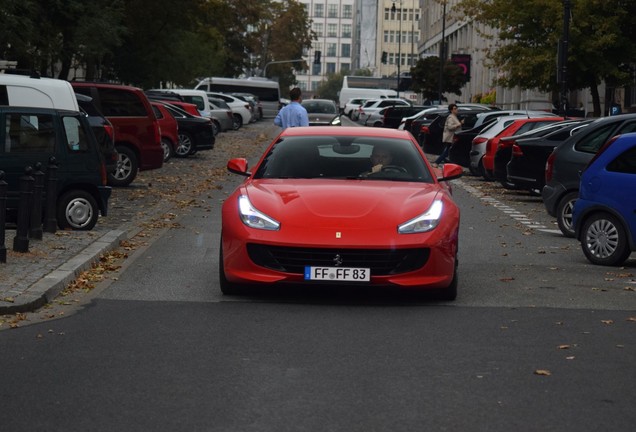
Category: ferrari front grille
[382,262]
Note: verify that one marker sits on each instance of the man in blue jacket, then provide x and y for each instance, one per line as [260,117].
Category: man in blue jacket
[294,114]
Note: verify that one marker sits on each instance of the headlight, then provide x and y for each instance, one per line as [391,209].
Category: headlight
[253,218]
[425,222]
[336,121]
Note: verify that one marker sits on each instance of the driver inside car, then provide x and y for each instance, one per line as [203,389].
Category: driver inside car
[379,157]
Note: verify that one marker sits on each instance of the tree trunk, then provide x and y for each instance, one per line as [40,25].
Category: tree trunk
[596,100]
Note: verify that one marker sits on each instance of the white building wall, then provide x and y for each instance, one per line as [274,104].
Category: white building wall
[333,20]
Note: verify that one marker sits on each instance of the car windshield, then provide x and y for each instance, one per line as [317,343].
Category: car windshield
[344,157]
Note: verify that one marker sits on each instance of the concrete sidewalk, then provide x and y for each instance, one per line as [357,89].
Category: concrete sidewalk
[30,280]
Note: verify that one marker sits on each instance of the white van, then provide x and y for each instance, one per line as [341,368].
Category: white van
[25,91]
[349,93]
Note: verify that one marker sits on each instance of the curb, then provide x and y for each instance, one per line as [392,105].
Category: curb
[51,285]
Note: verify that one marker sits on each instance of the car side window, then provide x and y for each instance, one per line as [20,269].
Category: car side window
[593,141]
[76,139]
[624,163]
[121,103]
[27,133]
[627,127]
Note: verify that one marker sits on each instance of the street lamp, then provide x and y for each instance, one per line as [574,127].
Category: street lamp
[442,55]
[399,46]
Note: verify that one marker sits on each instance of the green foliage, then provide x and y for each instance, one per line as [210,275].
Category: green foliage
[147,42]
[330,88]
[425,76]
[601,40]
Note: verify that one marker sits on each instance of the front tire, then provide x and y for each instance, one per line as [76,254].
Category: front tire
[185,145]
[564,213]
[167,149]
[77,210]
[126,170]
[237,121]
[604,240]
[227,287]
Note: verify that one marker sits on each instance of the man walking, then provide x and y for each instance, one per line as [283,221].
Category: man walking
[294,114]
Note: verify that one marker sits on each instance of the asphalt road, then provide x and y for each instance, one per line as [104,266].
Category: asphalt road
[538,340]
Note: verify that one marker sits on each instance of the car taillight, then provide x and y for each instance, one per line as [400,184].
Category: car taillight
[425,130]
[479,140]
[516,151]
[549,166]
[157,134]
[110,131]
[103,174]
[229,114]
[489,145]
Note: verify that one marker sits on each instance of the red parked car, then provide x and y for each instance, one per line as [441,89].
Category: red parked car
[137,135]
[169,130]
[321,207]
[517,127]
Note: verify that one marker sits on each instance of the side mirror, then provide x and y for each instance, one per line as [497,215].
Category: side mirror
[450,172]
[238,166]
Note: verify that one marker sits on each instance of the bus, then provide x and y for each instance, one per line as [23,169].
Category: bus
[267,91]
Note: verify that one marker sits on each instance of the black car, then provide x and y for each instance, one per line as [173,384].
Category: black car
[568,159]
[33,136]
[194,132]
[462,144]
[431,127]
[103,130]
[528,156]
[554,132]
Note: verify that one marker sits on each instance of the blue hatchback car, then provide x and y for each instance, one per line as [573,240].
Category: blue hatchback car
[604,215]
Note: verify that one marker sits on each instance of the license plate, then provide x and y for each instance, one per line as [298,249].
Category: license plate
[345,274]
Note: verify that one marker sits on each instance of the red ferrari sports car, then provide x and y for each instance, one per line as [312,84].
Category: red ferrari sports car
[341,205]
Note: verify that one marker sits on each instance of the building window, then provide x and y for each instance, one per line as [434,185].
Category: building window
[345,50]
[386,36]
[318,29]
[346,30]
[347,11]
[331,49]
[315,69]
[319,10]
[315,85]
[332,30]
[331,68]
[345,67]
[332,11]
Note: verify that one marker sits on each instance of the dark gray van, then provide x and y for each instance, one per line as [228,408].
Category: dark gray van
[32,135]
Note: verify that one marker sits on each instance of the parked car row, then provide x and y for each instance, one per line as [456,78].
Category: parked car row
[101,135]
[584,170]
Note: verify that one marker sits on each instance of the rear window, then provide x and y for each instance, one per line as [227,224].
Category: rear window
[624,163]
[121,103]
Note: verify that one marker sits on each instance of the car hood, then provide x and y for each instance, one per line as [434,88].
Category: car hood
[357,204]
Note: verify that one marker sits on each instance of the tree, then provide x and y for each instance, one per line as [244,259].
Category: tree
[524,48]
[330,88]
[289,37]
[425,77]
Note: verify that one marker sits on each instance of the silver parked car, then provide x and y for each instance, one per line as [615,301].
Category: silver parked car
[222,113]
[322,112]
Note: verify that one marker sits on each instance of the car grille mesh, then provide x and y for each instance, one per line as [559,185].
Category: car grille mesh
[381,261]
